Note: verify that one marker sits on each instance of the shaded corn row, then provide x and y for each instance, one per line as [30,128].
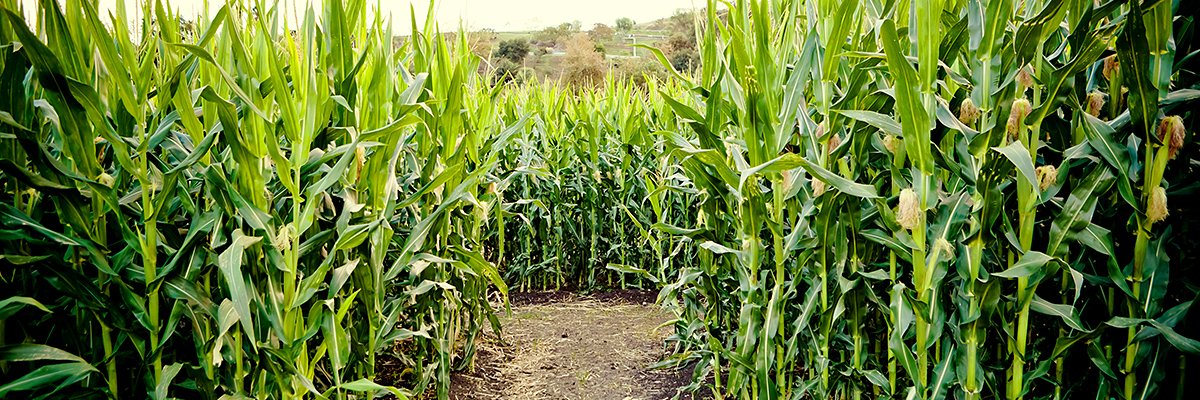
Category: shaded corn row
[259,204]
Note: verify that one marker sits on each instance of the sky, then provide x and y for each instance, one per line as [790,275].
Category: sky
[500,15]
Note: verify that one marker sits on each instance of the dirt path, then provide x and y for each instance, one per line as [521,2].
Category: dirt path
[565,347]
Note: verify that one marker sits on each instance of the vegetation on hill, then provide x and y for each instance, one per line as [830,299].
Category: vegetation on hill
[549,56]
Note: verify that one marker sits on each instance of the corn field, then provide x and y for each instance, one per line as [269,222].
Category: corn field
[849,199]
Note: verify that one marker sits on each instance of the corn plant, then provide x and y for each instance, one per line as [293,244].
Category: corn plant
[991,267]
[240,206]
[575,204]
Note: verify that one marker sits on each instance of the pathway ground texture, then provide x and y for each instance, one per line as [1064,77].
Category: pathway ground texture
[560,346]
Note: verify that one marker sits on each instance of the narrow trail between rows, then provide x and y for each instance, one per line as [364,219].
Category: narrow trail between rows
[562,346]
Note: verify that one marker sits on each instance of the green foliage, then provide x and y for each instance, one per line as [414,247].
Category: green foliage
[583,185]
[625,24]
[255,211]
[858,238]
[681,47]
[512,50]
[508,72]
[685,61]
[601,32]
[554,35]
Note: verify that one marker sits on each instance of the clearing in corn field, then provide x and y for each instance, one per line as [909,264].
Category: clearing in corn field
[811,199]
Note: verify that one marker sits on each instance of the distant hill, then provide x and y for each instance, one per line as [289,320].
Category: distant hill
[672,34]
[661,24]
[665,23]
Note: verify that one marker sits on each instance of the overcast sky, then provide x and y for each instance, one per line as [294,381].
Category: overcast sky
[501,15]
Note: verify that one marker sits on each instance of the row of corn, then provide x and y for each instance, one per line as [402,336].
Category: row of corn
[264,202]
[939,198]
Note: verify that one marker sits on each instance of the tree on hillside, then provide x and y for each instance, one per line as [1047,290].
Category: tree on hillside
[681,44]
[551,36]
[601,32]
[547,37]
[681,50]
[513,50]
[625,24]
[583,65]
[683,20]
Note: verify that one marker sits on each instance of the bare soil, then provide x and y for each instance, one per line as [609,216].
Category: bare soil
[560,345]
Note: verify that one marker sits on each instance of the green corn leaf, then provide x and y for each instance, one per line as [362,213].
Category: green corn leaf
[1134,55]
[1100,136]
[365,385]
[230,264]
[47,376]
[1034,30]
[628,269]
[10,215]
[914,119]
[883,122]
[233,85]
[1018,155]
[1187,345]
[718,248]
[160,390]
[13,304]
[943,375]
[837,181]
[1029,264]
[36,352]
[1076,214]
[1065,312]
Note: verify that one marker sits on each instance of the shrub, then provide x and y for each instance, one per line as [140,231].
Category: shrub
[583,65]
[512,50]
[601,32]
[625,24]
